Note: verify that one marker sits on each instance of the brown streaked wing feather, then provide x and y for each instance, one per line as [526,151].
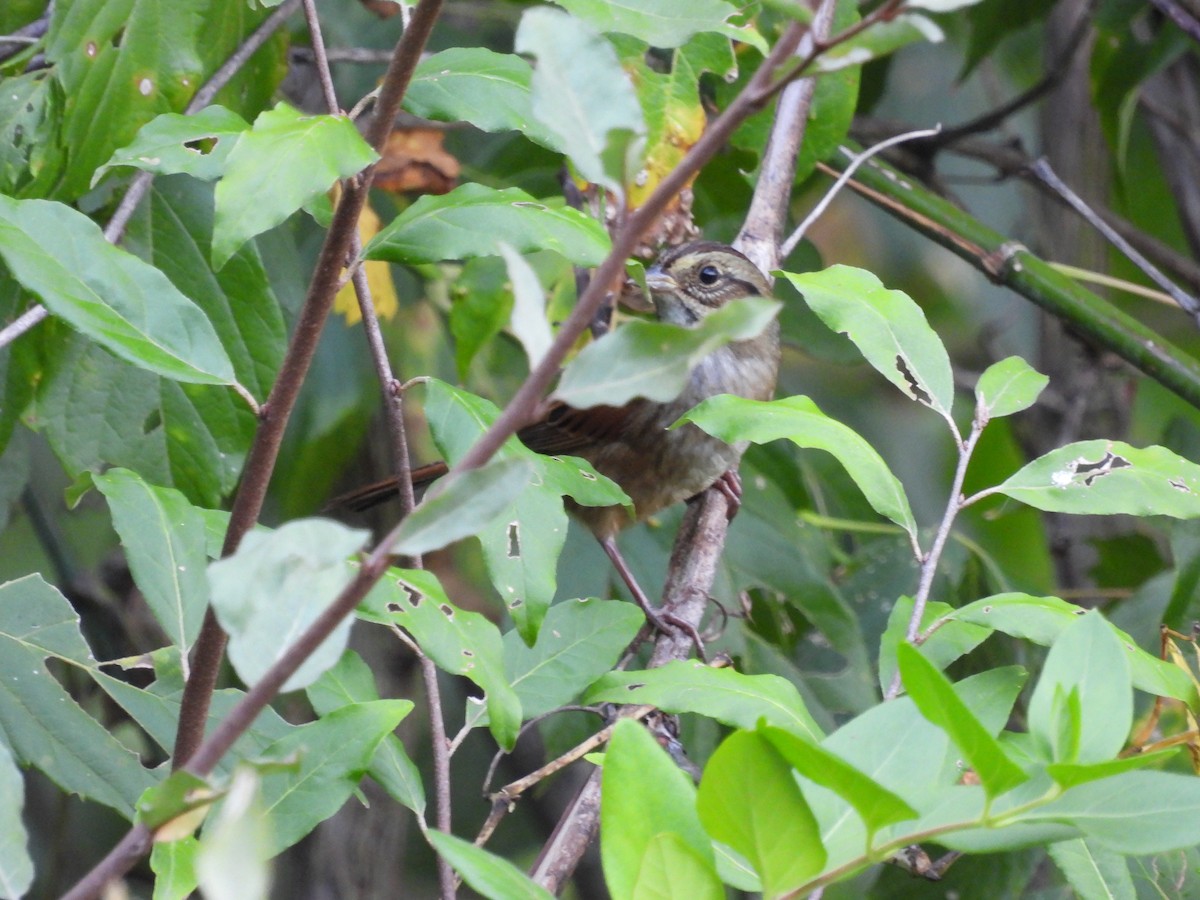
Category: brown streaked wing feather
[567,430]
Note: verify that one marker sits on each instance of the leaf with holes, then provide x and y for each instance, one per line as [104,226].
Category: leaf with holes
[1106,478]
[887,327]
[460,642]
[522,542]
[172,144]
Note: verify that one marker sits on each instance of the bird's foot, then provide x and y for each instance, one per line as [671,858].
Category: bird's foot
[730,484]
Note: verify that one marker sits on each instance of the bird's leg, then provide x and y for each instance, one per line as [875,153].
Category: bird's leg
[610,548]
[663,622]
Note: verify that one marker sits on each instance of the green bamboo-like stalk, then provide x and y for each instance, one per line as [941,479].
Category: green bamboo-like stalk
[1011,264]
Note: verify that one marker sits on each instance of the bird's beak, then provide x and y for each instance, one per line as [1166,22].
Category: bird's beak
[659,282]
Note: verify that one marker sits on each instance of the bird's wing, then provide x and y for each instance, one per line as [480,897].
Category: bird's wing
[565,429]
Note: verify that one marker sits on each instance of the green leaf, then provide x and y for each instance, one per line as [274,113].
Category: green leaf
[934,696]
[41,724]
[671,867]
[664,23]
[1093,871]
[725,695]
[1109,477]
[579,641]
[654,359]
[1133,813]
[174,867]
[460,642]
[875,804]
[643,794]
[887,327]
[492,876]
[334,753]
[299,156]
[98,411]
[123,62]
[233,859]
[1070,774]
[749,799]
[16,867]
[171,144]
[1043,619]
[31,156]
[461,505]
[582,95]
[482,307]
[276,585]
[951,640]
[112,297]
[1007,387]
[472,84]
[521,544]
[1086,661]
[529,324]
[163,536]
[352,681]
[470,220]
[799,420]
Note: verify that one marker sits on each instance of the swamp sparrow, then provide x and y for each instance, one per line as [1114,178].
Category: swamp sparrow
[632,444]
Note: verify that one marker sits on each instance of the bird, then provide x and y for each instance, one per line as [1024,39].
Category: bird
[633,444]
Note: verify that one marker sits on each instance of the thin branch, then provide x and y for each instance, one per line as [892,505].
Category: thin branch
[394,414]
[790,244]
[27,34]
[1183,18]
[930,561]
[260,462]
[22,324]
[1042,170]
[763,227]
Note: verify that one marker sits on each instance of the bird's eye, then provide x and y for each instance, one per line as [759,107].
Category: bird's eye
[709,275]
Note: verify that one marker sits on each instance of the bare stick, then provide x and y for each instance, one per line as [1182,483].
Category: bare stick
[790,244]
[210,645]
[1041,170]
[763,228]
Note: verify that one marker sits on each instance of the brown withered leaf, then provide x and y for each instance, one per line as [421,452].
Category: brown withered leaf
[383,9]
[414,161]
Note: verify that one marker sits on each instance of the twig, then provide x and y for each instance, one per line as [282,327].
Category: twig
[394,414]
[27,34]
[790,244]
[1042,170]
[22,324]
[260,462]
[930,561]
[1183,18]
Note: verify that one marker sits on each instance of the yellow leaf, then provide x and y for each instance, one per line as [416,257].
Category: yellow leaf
[379,279]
